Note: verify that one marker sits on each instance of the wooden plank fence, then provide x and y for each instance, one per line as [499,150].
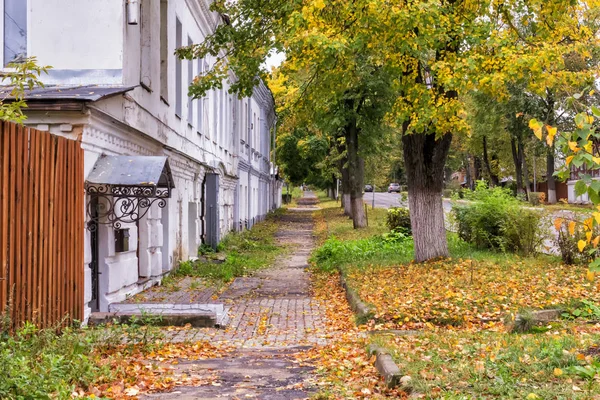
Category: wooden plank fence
[41,227]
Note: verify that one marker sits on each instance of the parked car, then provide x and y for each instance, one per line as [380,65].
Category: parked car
[368,188]
[394,187]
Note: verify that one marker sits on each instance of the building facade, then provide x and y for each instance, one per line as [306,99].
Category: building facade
[117,87]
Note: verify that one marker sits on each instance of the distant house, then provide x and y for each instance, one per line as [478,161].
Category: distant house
[193,170]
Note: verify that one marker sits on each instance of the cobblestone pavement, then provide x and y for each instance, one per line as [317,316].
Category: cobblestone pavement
[272,315]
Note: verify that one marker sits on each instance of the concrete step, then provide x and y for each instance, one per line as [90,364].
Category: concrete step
[197,315]
[307,201]
[205,320]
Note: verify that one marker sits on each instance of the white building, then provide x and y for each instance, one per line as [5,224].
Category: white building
[116,86]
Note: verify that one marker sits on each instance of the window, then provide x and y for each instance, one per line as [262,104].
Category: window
[254,129]
[178,69]
[15,31]
[221,118]
[199,102]
[164,51]
[146,46]
[190,109]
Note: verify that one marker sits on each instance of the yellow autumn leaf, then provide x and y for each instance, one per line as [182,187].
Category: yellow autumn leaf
[558,223]
[595,241]
[572,228]
[551,133]
[588,224]
[596,160]
[573,146]
[588,236]
[581,245]
[536,127]
[589,276]
[558,372]
[532,396]
[590,119]
[569,159]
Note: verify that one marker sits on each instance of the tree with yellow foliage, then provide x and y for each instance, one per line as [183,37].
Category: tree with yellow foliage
[357,65]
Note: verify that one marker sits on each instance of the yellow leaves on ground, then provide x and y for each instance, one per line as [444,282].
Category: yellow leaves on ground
[589,275]
[480,364]
[344,367]
[140,372]
[464,294]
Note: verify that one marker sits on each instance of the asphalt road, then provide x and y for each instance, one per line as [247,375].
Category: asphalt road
[387,200]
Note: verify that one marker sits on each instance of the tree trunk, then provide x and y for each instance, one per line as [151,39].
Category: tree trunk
[424,159]
[517,162]
[476,168]
[355,175]
[525,170]
[468,179]
[486,162]
[550,176]
[550,152]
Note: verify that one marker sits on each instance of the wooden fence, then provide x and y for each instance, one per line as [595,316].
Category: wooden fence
[41,227]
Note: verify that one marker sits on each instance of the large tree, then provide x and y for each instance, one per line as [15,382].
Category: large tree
[358,65]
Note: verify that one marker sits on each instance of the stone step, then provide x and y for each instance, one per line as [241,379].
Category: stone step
[307,201]
[204,320]
[197,315]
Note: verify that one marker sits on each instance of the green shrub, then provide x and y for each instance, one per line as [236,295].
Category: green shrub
[496,220]
[567,246]
[393,247]
[42,364]
[398,219]
[537,198]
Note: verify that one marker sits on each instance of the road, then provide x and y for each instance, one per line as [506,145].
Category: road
[387,200]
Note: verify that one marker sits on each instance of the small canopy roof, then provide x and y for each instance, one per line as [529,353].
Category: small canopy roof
[132,171]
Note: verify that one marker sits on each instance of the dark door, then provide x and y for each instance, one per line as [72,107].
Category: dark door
[211,205]
[93,227]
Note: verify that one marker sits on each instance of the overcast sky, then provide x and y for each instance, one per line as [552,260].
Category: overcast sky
[274,60]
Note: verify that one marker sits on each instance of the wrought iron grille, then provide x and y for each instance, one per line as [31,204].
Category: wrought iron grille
[117,205]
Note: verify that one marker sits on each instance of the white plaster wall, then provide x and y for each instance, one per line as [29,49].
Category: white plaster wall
[82,36]
[583,199]
[140,123]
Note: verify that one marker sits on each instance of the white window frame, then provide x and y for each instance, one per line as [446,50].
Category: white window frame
[2,67]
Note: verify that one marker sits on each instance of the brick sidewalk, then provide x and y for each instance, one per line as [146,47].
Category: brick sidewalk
[272,315]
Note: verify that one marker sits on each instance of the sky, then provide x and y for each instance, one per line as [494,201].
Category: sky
[274,60]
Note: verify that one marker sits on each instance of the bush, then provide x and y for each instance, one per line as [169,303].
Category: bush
[567,246]
[398,219]
[42,364]
[393,247]
[497,221]
[537,198]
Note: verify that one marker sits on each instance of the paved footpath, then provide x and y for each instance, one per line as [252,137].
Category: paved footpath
[272,316]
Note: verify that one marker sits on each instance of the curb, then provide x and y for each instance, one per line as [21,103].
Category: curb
[386,367]
[363,312]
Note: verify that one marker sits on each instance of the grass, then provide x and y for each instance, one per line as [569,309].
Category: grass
[114,361]
[458,365]
[245,252]
[458,346]
[579,208]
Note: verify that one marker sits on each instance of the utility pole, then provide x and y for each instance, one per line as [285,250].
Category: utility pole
[373,196]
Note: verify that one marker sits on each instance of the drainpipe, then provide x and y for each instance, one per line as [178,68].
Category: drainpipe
[133,11]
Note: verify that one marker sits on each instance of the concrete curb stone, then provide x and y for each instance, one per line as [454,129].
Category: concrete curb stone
[386,367]
[363,312]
